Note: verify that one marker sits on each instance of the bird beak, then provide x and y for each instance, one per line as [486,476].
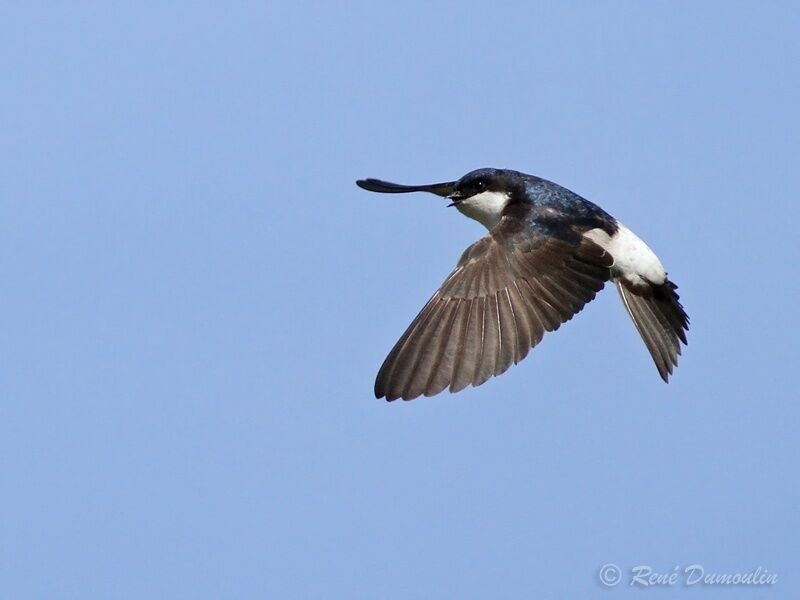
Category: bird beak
[455,198]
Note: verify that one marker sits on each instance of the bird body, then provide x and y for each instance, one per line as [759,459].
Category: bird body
[548,252]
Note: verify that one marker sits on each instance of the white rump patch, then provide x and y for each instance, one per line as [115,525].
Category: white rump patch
[633,259]
[486,207]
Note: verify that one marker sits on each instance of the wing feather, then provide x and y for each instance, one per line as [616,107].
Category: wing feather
[506,291]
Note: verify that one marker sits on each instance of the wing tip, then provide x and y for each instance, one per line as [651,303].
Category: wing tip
[369,184]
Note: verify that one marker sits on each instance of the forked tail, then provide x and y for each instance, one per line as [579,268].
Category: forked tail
[659,316]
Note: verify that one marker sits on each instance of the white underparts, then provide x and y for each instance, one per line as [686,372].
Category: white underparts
[634,261]
[486,207]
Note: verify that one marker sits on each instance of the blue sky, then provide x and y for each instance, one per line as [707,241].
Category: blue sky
[196,299]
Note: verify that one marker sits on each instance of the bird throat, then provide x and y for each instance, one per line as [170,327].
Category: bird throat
[486,207]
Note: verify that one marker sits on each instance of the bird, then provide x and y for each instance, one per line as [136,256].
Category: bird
[548,252]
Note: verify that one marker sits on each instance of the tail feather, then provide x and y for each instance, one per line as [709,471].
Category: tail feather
[660,319]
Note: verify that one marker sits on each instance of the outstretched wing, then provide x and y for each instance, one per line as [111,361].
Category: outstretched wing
[387,187]
[506,291]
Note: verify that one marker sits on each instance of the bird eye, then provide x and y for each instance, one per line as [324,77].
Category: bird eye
[480,184]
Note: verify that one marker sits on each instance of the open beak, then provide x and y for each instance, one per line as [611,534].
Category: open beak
[455,198]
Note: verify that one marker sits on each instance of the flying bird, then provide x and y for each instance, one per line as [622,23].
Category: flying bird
[548,252]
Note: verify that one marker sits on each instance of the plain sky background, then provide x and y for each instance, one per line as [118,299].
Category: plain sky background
[196,298]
